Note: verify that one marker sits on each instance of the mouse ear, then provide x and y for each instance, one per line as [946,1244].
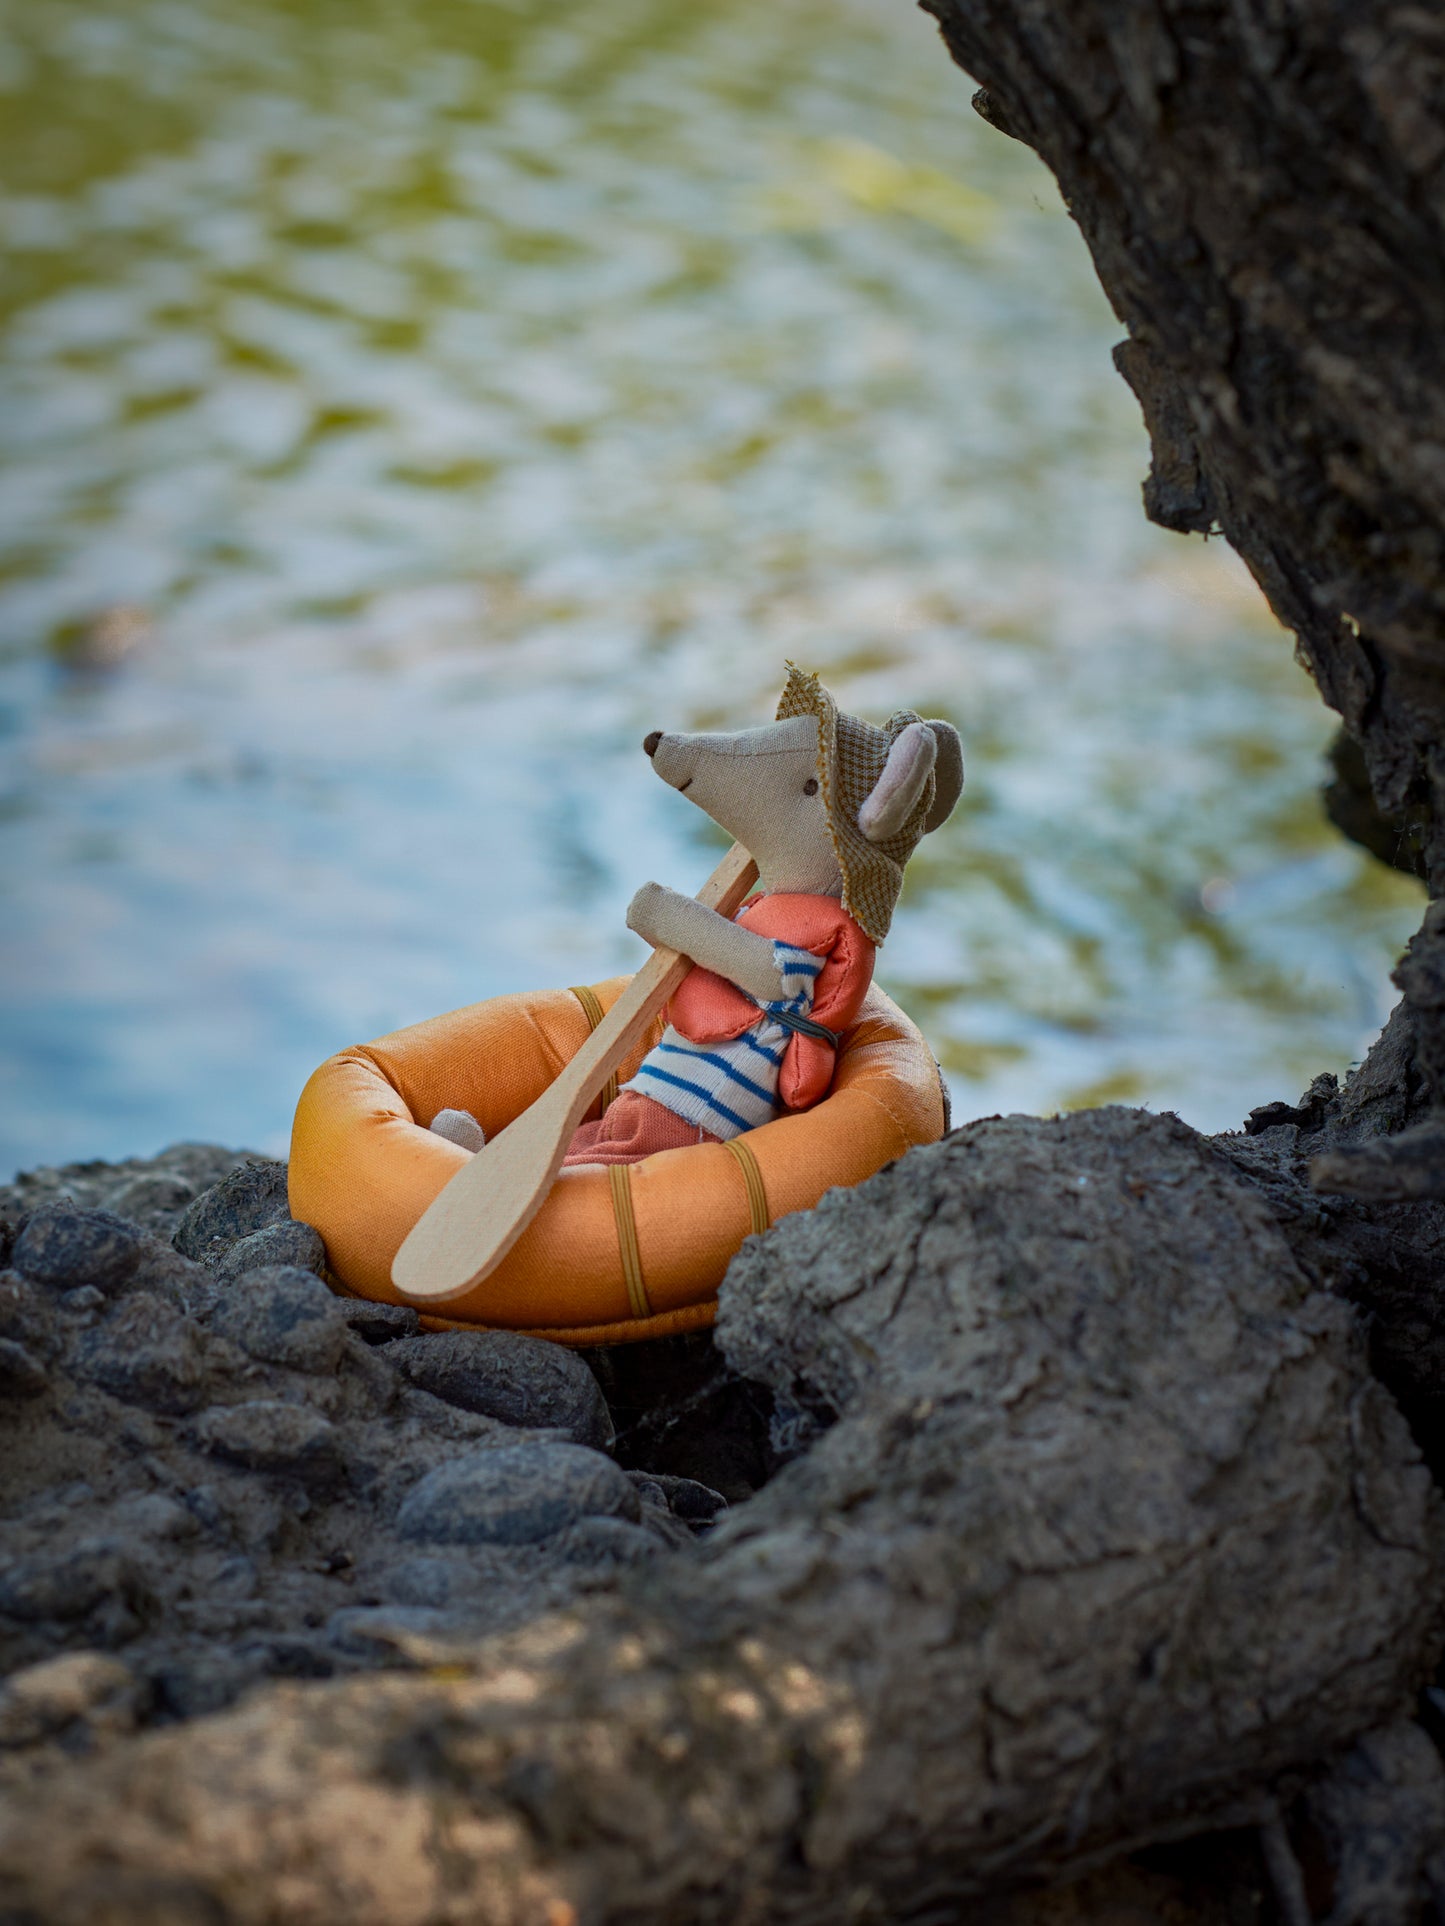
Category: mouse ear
[947,774]
[894,796]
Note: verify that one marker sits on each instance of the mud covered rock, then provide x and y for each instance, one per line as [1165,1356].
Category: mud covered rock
[657,1514]
[612,1542]
[248,1199]
[148,1353]
[147,1191]
[380,1323]
[29,1315]
[62,1247]
[154,1199]
[515,1495]
[265,1434]
[433,1582]
[696,1504]
[1373,1829]
[65,1584]
[203,1471]
[297,1246]
[505,1375]
[1385,1256]
[283,1315]
[680,1408]
[22,1375]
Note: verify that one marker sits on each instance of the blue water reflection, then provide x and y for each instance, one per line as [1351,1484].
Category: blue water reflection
[404,410]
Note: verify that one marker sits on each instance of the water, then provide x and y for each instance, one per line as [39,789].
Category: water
[406,408]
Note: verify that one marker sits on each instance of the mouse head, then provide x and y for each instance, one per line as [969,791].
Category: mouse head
[826,804]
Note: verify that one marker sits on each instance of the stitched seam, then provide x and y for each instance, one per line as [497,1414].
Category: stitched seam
[909,1143]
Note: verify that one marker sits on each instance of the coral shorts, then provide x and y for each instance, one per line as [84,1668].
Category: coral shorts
[633,1127]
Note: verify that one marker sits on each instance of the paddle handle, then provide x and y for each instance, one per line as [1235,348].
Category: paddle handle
[469,1228]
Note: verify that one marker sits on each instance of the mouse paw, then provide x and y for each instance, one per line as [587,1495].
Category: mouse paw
[459,1127]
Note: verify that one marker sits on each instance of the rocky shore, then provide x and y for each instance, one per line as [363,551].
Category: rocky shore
[1044,1515]
[217,1471]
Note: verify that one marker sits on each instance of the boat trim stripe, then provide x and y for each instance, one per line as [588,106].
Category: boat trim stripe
[753,1178]
[619,1177]
[592,1009]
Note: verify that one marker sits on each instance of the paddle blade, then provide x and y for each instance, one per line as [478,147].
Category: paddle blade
[485,1208]
[469,1228]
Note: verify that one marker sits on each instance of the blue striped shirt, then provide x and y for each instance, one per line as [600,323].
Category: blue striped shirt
[732,1086]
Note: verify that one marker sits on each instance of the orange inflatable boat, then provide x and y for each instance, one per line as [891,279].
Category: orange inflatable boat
[635,1251]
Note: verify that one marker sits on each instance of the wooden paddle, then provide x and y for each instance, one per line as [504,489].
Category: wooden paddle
[471,1226]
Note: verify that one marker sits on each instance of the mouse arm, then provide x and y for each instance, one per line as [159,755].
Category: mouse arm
[667,919]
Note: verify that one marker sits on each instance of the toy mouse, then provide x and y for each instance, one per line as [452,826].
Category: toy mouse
[830,808]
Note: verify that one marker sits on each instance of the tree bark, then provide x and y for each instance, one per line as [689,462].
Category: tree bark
[1262,186]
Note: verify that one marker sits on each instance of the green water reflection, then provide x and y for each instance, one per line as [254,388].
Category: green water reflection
[406,408]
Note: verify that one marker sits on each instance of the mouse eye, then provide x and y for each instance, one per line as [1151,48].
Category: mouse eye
[810,787]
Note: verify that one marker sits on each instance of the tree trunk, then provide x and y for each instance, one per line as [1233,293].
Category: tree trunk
[1262,187]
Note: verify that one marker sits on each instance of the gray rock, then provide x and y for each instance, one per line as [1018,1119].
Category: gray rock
[147,1353]
[22,1375]
[153,1515]
[666,1529]
[515,1379]
[480,1580]
[245,1201]
[1106,1520]
[371,1386]
[428,1582]
[203,1681]
[164,1270]
[105,1186]
[236,1577]
[696,1504]
[266,1435]
[656,1514]
[65,1248]
[201,1502]
[28,1315]
[64,1584]
[380,1323]
[1380,1813]
[683,1410]
[609,1542]
[295,1245]
[234,1570]
[515,1495]
[153,1199]
[385,1630]
[284,1316]
[288,1658]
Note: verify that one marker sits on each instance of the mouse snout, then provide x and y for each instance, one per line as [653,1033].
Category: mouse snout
[650,742]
